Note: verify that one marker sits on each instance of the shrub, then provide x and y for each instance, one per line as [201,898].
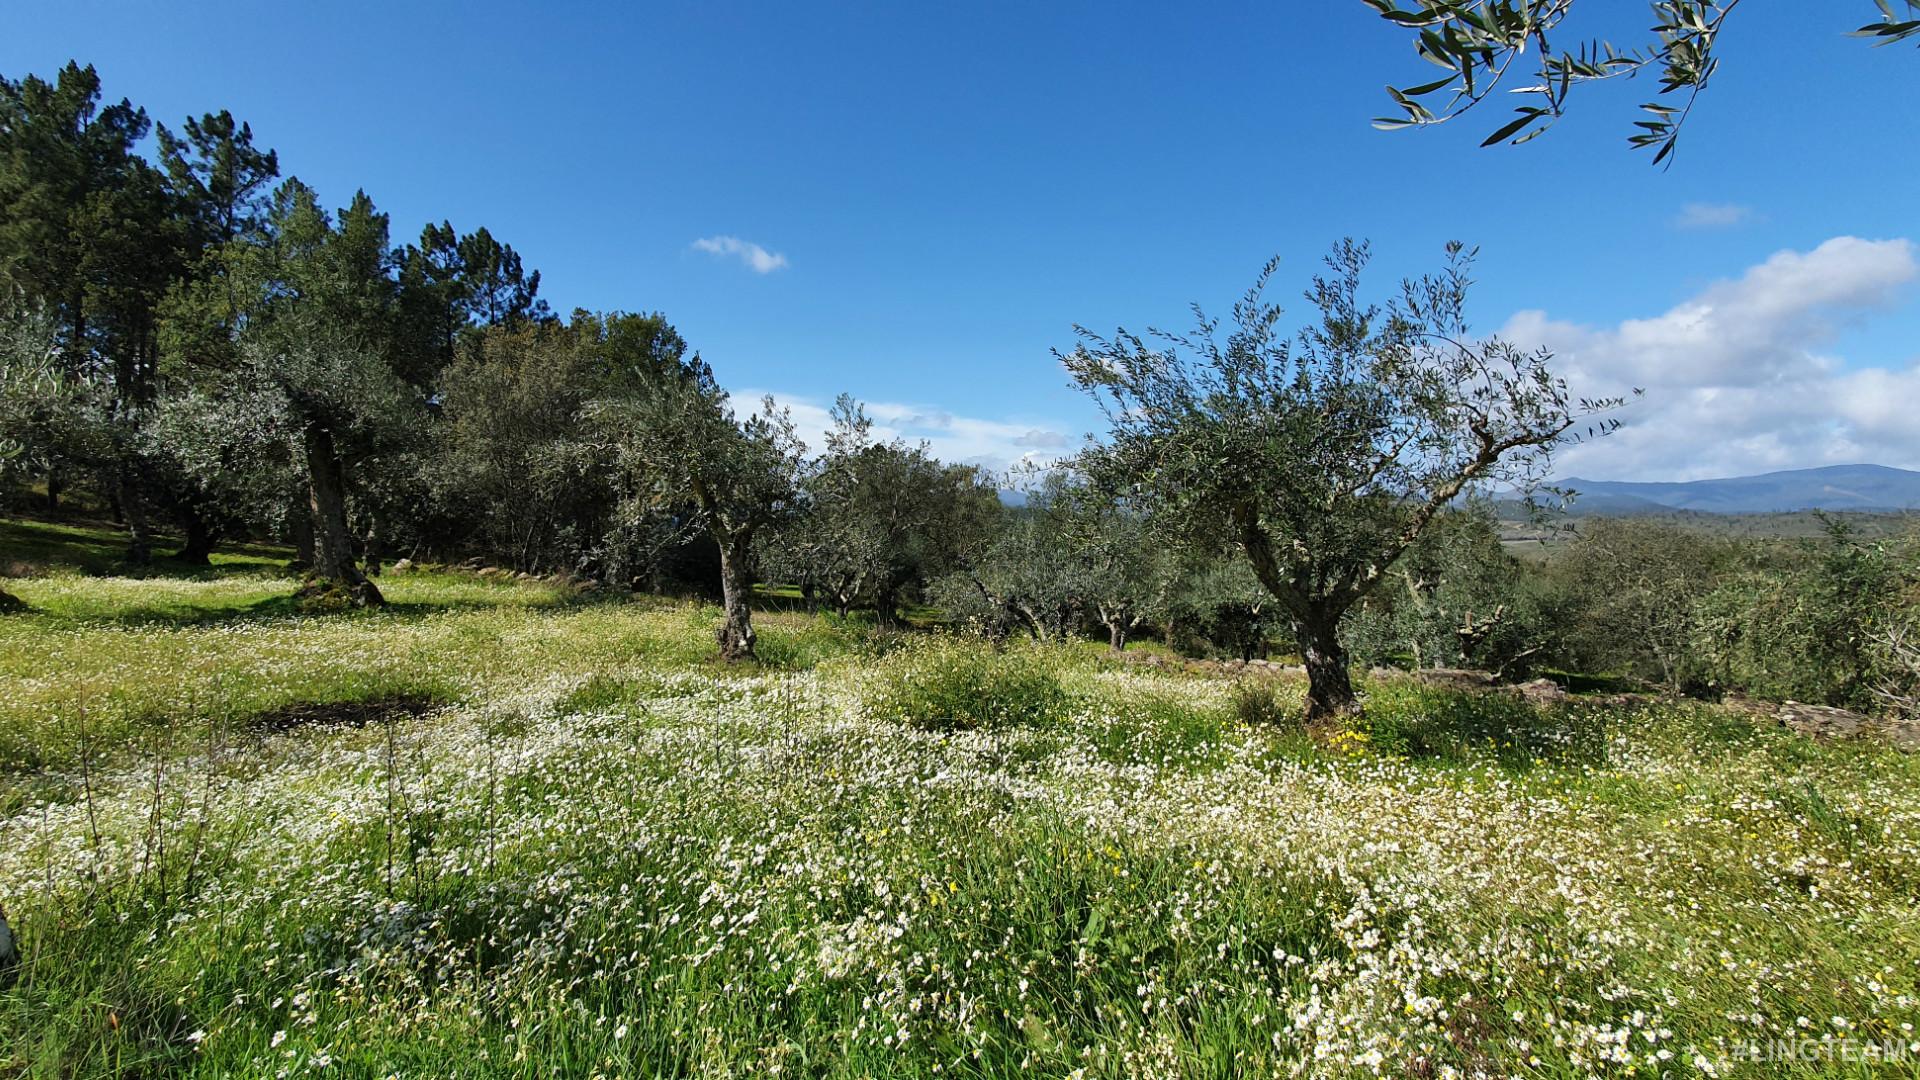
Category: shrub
[1803,624]
[1259,703]
[1429,722]
[952,685]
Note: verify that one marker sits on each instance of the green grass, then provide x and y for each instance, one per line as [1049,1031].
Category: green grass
[100,666]
[503,830]
[955,685]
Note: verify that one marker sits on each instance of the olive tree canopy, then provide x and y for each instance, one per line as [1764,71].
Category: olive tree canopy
[681,437]
[1324,455]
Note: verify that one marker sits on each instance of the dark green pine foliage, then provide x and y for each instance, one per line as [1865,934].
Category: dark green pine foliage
[220,183]
[454,286]
[88,233]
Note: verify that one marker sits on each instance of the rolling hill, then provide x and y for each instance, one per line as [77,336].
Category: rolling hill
[1834,487]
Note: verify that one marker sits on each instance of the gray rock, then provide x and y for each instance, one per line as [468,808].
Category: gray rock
[1827,722]
[1456,678]
[9,952]
[1542,692]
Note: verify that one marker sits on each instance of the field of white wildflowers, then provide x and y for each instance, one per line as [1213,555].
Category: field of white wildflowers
[548,838]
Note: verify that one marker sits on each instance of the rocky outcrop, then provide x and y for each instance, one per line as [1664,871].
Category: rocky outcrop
[1814,721]
[1827,722]
[1441,678]
[1164,662]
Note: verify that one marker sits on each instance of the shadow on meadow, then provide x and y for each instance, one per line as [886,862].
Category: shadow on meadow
[98,549]
[270,600]
[77,573]
[252,582]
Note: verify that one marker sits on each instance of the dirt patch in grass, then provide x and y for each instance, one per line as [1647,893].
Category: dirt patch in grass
[341,714]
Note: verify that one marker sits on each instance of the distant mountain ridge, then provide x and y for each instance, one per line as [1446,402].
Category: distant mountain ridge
[1832,487]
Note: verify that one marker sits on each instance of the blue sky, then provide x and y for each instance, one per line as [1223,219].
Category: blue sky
[939,194]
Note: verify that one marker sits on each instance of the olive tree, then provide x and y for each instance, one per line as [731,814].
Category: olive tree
[682,438]
[1804,621]
[1640,587]
[882,518]
[320,337]
[1324,455]
[48,407]
[1231,607]
[1457,598]
[832,548]
[44,405]
[1121,567]
[1022,578]
[226,445]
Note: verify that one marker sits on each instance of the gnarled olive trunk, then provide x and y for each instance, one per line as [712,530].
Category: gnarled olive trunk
[1329,685]
[1316,629]
[133,508]
[373,552]
[333,554]
[886,606]
[300,530]
[197,548]
[1117,636]
[736,588]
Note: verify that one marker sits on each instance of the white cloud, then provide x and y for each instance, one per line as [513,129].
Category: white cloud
[995,445]
[753,255]
[1697,215]
[1738,377]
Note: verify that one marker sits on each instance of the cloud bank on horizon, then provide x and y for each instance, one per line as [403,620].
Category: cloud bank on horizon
[994,445]
[1737,377]
[1738,380]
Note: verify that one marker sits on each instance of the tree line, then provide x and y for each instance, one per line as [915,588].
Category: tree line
[189,339]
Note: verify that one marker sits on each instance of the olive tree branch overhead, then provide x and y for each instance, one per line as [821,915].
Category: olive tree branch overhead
[1478,42]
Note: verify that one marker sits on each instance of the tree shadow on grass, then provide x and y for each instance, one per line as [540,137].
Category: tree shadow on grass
[282,607]
[343,713]
[99,550]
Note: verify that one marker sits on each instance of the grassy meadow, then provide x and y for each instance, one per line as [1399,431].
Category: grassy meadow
[501,828]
